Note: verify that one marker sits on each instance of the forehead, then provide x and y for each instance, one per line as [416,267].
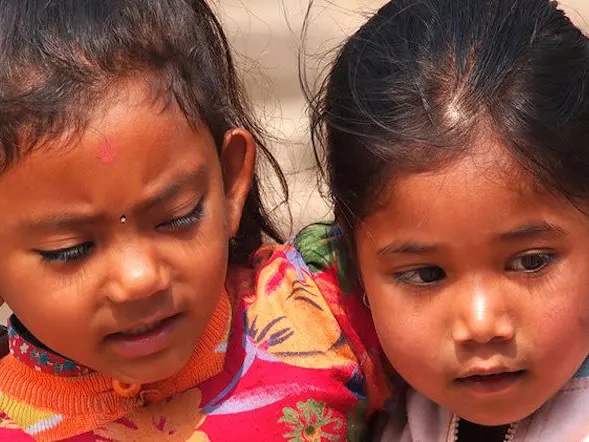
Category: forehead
[130,145]
[482,193]
[492,172]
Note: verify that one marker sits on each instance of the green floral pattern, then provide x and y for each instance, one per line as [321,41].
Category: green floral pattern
[312,421]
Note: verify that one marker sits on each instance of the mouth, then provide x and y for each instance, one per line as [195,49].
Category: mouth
[491,381]
[142,329]
[146,339]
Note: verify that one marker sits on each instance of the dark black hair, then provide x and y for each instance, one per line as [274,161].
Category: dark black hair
[60,58]
[414,86]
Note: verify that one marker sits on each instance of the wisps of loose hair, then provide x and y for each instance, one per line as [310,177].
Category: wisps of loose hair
[59,59]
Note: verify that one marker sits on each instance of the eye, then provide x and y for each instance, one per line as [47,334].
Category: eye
[185,221]
[530,262]
[67,254]
[423,276]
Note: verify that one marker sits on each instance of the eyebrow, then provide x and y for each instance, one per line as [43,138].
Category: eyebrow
[60,222]
[406,248]
[179,183]
[532,231]
[64,220]
[529,231]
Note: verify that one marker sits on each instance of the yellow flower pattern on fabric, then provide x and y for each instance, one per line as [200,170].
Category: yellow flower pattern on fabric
[175,420]
[291,320]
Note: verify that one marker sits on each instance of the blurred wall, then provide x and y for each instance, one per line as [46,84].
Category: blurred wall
[266,35]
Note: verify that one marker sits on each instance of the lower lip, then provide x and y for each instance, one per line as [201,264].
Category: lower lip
[493,384]
[145,344]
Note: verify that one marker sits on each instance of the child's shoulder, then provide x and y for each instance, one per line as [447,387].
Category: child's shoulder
[299,312]
[318,250]
[309,271]
[294,305]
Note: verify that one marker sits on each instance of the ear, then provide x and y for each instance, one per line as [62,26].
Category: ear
[238,159]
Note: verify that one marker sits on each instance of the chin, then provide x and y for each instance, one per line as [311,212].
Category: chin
[150,375]
[154,369]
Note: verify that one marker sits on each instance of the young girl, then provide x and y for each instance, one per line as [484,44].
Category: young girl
[457,150]
[127,157]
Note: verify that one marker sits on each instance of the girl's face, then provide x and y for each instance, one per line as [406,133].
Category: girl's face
[113,251]
[479,287]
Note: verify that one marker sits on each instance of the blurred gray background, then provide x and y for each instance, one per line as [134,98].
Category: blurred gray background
[266,37]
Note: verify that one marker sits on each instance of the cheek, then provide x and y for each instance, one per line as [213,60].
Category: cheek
[40,296]
[202,261]
[559,321]
[410,344]
[54,315]
[560,307]
[204,258]
[217,216]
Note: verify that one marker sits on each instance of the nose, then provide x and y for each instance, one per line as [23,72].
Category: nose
[482,316]
[139,273]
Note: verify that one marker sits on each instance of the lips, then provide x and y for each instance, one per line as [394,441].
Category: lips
[488,368]
[491,376]
[141,329]
[491,382]
[146,339]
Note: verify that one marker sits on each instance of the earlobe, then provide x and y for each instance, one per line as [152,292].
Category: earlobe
[238,158]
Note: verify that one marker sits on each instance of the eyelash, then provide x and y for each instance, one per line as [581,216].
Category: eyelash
[405,277]
[81,250]
[185,221]
[66,255]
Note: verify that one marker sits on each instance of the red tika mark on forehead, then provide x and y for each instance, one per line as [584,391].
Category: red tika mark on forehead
[107,151]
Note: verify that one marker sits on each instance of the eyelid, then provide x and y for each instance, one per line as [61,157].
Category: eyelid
[66,254]
[536,252]
[79,251]
[191,218]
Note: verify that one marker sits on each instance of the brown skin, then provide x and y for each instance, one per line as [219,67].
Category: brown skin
[461,283]
[150,267]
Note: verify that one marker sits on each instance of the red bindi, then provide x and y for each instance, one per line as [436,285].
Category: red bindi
[107,151]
